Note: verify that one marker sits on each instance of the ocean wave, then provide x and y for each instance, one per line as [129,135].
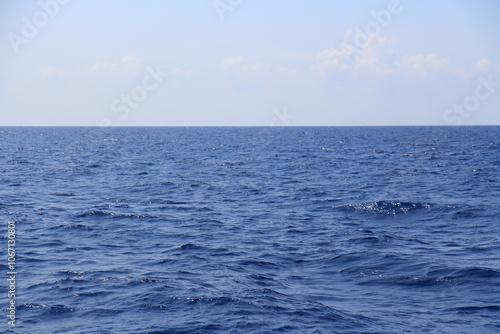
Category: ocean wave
[373,236]
[113,215]
[385,207]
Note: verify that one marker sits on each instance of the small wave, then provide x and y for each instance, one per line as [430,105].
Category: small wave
[55,242]
[92,294]
[151,280]
[473,273]
[384,207]
[258,264]
[174,202]
[430,278]
[94,213]
[72,272]
[103,312]
[376,278]
[185,208]
[269,292]
[475,309]
[212,300]
[261,278]
[74,226]
[113,215]
[50,310]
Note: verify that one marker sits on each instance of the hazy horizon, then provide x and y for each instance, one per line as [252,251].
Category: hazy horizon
[249,63]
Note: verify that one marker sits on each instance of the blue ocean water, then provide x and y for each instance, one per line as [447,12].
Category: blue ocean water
[253,230]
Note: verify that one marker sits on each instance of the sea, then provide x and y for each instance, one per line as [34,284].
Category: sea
[250,229]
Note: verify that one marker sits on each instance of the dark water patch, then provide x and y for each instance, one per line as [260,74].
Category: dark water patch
[64,194]
[188,246]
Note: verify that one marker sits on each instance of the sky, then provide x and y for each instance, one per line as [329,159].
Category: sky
[249,62]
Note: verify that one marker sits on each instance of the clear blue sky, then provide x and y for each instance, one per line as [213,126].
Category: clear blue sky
[249,62]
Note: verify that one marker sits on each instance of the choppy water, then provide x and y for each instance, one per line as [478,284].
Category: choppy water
[253,230]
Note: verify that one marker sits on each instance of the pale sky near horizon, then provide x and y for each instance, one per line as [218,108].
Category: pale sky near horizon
[249,62]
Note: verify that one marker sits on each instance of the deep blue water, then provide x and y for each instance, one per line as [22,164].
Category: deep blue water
[253,230]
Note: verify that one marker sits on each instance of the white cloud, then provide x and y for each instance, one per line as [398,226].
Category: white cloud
[460,71]
[232,60]
[251,71]
[333,59]
[363,58]
[285,72]
[482,64]
[420,64]
[186,74]
[255,68]
[126,65]
[373,56]
[49,71]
